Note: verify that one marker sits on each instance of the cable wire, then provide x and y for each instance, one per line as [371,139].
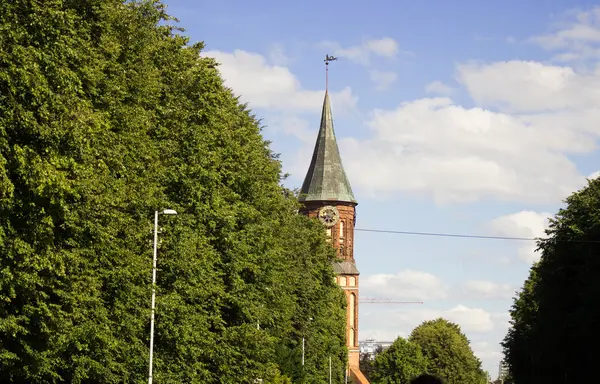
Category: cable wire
[467,236]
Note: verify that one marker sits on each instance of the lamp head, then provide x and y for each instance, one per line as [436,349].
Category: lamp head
[169,212]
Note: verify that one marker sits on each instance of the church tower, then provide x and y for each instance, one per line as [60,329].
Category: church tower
[326,194]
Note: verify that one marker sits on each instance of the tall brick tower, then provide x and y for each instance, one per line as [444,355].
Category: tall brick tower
[326,194]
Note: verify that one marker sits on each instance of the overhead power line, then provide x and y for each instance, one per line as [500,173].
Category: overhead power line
[441,234]
[466,236]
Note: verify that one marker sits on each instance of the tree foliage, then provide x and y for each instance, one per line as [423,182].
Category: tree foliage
[437,347]
[519,342]
[448,353]
[555,318]
[400,363]
[107,113]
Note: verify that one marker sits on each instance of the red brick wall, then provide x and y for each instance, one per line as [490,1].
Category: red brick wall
[345,245]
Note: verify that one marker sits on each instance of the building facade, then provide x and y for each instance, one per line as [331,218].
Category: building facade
[370,347]
[326,195]
[502,371]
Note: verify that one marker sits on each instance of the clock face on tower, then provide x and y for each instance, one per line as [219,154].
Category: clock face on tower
[329,215]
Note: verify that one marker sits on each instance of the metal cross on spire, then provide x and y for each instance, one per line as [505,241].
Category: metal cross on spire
[327,60]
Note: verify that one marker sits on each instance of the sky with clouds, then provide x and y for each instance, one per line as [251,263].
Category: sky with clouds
[456,117]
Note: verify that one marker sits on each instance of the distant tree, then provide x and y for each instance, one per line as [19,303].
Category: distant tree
[399,363]
[555,317]
[448,352]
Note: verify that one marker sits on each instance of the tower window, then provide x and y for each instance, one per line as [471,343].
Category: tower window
[341,231]
[351,309]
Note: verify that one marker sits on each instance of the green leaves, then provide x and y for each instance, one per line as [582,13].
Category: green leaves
[399,364]
[106,115]
[555,312]
[448,352]
[437,347]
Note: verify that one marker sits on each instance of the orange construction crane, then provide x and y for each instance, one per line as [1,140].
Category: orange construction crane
[371,300]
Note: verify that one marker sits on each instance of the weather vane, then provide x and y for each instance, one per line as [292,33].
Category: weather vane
[327,60]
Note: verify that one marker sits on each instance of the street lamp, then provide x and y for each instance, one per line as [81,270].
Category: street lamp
[156,213]
[310,319]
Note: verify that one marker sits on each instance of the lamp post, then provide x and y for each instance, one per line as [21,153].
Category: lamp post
[329,369]
[156,213]
[310,319]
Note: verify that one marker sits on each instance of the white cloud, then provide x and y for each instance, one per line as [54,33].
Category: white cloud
[575,37]
[385,47]
[383,79]
[488,351]
[435,147]
[454,154]
[483,328]
[439,88]
[529,86]
[527,224]
[295,126]
[274,87]
[392,320]
[402,321]
[407,285]
[593,175]
[501,322]
[481,289]
[470,319]
[521,224]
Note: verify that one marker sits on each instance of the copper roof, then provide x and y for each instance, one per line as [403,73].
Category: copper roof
[326,179]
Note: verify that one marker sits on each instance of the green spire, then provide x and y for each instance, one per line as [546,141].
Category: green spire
[326,179]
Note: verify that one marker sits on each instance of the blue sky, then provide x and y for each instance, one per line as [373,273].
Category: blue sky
[459,117]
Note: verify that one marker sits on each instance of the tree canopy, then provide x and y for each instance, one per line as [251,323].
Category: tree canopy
[399,363]
[437,347]
[448,353]
[554,316]
[108,113]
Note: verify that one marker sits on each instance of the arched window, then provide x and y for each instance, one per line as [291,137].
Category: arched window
[341,231]
[351,305]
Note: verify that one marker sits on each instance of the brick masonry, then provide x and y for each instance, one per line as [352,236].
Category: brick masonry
[341,236]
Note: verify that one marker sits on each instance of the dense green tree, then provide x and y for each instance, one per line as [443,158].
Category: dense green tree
[400,363]
[448,353]
[107,114]
[519,342]
[555,317]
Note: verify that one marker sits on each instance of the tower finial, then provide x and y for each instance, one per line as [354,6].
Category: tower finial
[327,60]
